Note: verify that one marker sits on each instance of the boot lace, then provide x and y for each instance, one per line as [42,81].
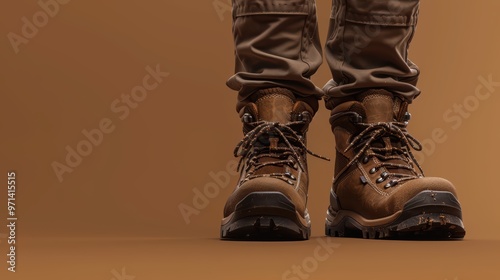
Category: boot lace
[251,149]
[372,133]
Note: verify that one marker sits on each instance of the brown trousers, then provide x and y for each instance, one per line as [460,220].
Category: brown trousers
[277,45]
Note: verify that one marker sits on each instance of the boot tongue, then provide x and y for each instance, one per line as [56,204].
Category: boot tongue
[378,105]
[275,105]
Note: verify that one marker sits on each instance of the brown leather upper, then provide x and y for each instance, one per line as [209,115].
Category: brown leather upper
[363,179]
[268,164]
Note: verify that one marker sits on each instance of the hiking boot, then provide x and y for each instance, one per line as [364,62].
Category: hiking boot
[269,202]
[379,189]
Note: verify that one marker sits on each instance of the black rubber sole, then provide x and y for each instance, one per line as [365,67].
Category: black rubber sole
[265,216]
[430,215]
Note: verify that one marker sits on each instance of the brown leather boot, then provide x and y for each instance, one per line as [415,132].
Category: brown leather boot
[379,190]
[270,198]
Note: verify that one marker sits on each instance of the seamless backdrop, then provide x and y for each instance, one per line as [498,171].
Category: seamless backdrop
[83,66]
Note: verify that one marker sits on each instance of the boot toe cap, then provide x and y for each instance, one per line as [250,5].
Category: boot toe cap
[267,184]
[408,190]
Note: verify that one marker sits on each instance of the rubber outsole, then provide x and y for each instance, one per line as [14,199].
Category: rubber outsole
[430,215]
[265,216]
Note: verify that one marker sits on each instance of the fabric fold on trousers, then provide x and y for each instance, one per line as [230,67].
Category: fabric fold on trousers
[367,48]
[276,45]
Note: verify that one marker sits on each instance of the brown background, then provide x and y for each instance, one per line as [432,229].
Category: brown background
[119,207]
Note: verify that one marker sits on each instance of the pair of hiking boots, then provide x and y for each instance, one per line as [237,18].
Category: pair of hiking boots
[379,189]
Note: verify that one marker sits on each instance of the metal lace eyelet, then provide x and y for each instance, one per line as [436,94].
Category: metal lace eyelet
[366,159]
[247,118]
[390,184]
[373,170]
[407,117]
[290,175]
[304,117]
[380,180]
[384,175]
[363,179]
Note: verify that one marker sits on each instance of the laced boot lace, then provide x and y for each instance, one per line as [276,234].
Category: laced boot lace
[391,157]
[262,142]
